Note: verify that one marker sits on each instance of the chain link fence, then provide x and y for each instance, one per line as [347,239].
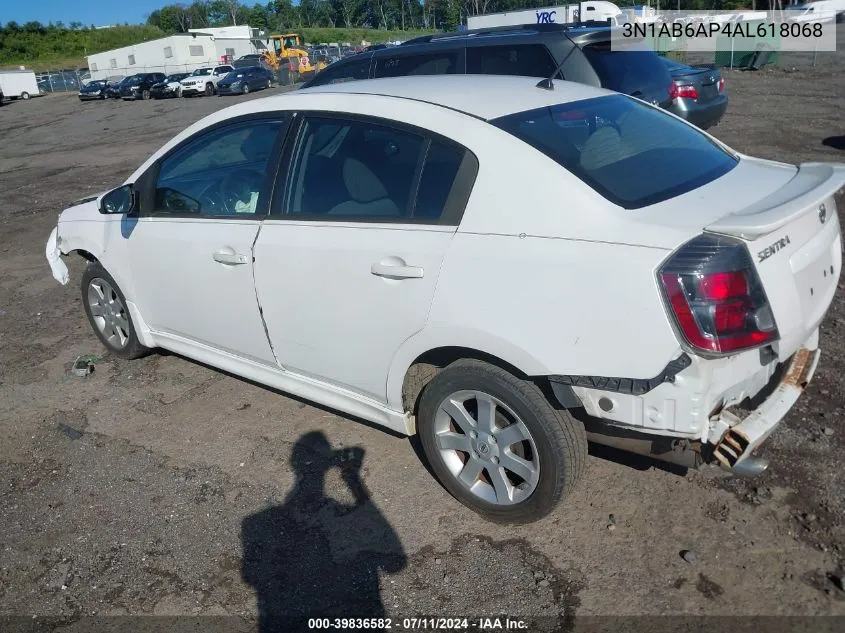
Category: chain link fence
[61,80]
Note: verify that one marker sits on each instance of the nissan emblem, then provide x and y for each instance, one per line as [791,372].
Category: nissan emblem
[822,213]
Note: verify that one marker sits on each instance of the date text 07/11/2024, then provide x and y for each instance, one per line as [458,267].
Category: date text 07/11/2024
[419,624]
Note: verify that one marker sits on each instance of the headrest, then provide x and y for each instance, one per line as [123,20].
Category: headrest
[363,185]
[601,149]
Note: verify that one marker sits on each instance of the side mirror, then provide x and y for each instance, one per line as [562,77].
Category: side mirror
[122,200]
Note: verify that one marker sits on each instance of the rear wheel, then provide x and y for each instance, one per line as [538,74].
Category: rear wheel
[496,444]
[267,86]
[105,307]
[24,96]
[209,89]
[246,89]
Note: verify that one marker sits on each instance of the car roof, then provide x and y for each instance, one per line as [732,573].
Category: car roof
[482,96]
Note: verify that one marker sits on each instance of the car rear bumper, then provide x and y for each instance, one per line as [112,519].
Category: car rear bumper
[702,115]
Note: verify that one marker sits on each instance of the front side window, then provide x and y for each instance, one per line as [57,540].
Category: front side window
[349,170]
[630,153]
[525,60]
[223,172]
[343,71]
[440,63]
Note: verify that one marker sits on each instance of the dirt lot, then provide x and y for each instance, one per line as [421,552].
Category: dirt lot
[161,486]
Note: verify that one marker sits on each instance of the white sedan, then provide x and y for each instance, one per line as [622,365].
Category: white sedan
[504,269]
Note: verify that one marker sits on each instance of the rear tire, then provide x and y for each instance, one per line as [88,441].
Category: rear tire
[105,307]
[246,89]
[24,96]
[519,471]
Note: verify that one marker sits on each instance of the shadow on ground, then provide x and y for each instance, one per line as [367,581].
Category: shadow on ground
[314,556]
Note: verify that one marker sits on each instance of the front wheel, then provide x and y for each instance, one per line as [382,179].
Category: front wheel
[246,89]
[497,444]
[209,89]
[267,85]
[105,307]
[145,95]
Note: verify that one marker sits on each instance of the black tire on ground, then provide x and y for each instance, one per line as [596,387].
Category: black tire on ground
[246,89]
[145,95]
[560,439]
[24,96]
[133,347]
[268,84]
[209,89]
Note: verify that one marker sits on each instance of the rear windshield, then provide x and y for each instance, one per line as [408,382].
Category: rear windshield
[627,71]
[632,154]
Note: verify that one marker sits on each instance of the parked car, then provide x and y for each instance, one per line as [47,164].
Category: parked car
[699,93]
[583,54]
[139,86]
[168,87]
[430,307]
[204,80]
[243,80]
[245,61]
[115,86]
[94,90]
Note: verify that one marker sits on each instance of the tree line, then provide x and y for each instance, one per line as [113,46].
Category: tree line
[279,15]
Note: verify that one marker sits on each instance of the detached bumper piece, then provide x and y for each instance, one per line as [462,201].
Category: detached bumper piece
[734,450]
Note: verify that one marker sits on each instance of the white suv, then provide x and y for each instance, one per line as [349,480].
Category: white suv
[204,80]
[505,269]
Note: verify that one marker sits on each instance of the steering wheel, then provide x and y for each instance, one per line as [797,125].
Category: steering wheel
[240,188]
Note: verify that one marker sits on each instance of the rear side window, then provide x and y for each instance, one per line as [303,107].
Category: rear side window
[345,71]
[439,63]
[526,60]
[627,71]
[630,153]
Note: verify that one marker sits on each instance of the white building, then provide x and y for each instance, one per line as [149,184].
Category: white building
[183,52]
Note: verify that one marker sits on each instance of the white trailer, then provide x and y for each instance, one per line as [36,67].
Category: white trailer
[184,52]
[592,10]
[16,84]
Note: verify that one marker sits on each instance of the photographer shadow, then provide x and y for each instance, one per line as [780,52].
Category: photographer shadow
[314,556]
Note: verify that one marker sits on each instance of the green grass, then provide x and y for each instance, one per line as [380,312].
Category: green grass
[54,50]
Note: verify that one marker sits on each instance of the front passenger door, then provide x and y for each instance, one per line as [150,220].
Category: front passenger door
[190,250]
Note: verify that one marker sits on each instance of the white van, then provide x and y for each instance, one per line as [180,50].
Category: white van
[16,84]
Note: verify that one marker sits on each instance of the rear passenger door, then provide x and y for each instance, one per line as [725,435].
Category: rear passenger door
[346,264]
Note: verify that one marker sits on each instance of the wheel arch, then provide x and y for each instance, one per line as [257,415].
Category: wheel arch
[419,359]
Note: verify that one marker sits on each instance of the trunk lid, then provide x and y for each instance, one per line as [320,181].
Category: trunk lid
[794,238]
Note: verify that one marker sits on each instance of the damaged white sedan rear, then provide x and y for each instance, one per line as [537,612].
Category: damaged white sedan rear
[504,269]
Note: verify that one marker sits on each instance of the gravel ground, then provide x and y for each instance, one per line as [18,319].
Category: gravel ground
[164,487]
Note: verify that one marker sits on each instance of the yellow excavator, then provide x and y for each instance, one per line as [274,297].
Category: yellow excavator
[287,57]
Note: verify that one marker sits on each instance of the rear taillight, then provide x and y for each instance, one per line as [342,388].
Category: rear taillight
[716,297]
[687,91]
[721,85]
[673,91]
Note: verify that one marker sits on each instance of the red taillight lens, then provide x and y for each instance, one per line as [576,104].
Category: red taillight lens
[716,297]
[687,91]
[673,91]
[721,85]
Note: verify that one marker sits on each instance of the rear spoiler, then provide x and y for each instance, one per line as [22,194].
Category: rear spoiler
[812,184]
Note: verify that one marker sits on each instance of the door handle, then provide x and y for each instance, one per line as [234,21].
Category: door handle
[229,257]
[396,271]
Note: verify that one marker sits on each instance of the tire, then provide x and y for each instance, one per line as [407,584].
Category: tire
[100,288]
[145,95]
[246,89]
[24,96]
[267,85]
[209,89]
[551,445]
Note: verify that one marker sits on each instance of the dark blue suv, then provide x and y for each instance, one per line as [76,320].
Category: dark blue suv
[574,53]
